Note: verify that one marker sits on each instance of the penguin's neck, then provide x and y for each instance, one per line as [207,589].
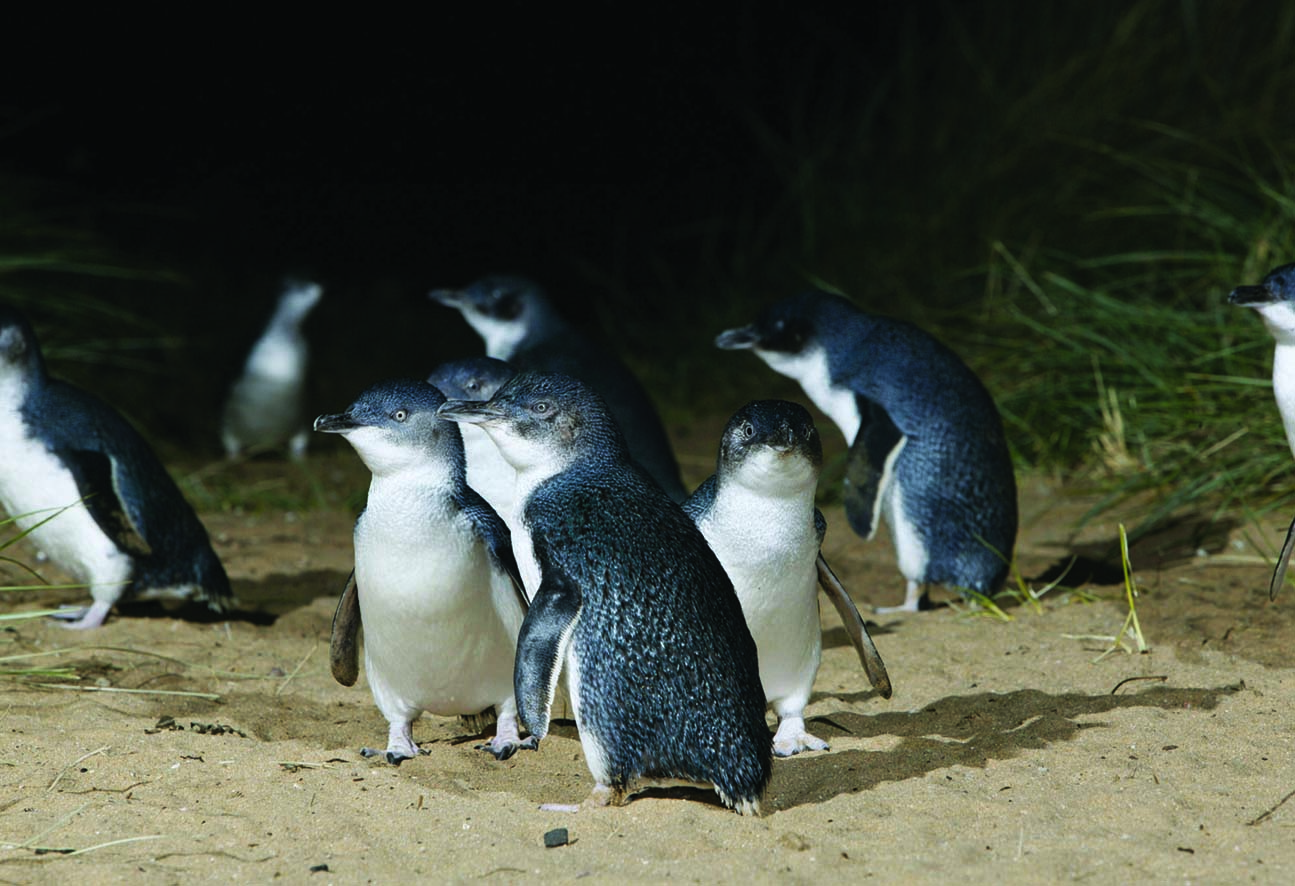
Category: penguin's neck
[810,368]
[1284,387]
[279,354]
[501,337]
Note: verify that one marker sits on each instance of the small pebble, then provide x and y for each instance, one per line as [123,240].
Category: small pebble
[555,837]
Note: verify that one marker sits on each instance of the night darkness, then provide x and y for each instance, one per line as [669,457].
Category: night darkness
[578,156]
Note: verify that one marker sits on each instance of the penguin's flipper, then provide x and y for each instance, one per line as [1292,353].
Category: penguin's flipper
[865,468]
[542,647]
[96,476]
[1283,561]
[344,646]
[499,543]
[855,626]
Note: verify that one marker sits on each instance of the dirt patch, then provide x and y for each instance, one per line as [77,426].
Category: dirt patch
[1007,752]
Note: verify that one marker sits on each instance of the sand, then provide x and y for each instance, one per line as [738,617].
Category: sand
[1009,752]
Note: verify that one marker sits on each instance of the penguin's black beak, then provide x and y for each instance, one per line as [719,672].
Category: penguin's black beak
[1251,296]
[451,298]
[336,424]
[737,339]
[472,412]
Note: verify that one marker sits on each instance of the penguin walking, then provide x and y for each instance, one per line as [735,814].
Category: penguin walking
[92,493]
[927,452]
[757,513]
[477,378]
[435,584]
[266,406]
[630,600]
[1274,299]
[520,325]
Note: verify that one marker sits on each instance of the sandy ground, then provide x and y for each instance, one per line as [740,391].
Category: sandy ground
[1008,752]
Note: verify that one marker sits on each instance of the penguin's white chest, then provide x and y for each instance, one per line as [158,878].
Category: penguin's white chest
[439,632]
[488,473]
[35,485]
[769,548]
[279,356]
[1284,387]
[810,368]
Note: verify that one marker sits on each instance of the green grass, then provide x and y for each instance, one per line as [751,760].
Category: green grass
[1065,193]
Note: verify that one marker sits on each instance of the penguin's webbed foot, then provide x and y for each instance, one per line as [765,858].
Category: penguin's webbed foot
[393,756]
[791,738]
[81,618]
[504,749]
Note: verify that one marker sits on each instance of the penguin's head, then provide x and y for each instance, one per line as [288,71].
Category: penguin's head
[790,335]
[502,309]
[20,356]
[1274,299]
[541,421]
[393,426]
[771,445]
[476,378]
[298,298]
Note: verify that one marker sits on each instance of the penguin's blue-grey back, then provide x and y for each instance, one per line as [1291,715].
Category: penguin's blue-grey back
[91,436]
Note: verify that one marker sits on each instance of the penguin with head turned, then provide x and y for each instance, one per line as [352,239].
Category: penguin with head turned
[928,453]
[757,513]
[1274,300]
[266,406]
[629,600]
[520,325]
[435,585]
[92,493]
[477,378]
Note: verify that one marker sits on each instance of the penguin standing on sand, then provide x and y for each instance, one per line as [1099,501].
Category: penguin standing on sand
[757,513]
[92,493]
[927,453]
[266,406]
[477,378]
[1274,299]
[435,583]
[518,324]
[631,601]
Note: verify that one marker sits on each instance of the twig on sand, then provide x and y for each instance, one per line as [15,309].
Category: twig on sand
[1160,678]
[1269,814]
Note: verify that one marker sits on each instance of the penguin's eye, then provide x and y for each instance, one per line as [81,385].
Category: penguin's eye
[540,408]
[748,430]
[400,414]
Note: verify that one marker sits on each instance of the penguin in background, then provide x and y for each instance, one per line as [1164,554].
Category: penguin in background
[92,493]
[927,448]
[435,585]
[1274,300]
[757,513]
[477,378]
[630,601]
[266,405]
[519,324]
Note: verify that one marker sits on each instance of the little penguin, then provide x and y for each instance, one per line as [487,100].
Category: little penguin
[519,324]
[477,378]
[757,513]
[92,493]
[266,406]
[928,453]
[435,584]
[1274,299]
[630,601]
